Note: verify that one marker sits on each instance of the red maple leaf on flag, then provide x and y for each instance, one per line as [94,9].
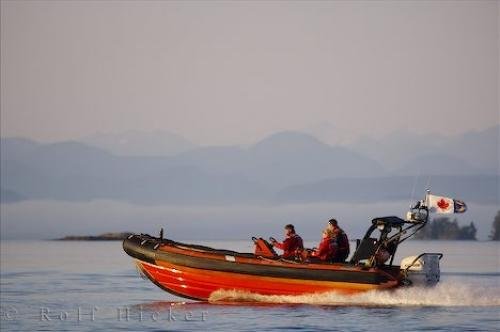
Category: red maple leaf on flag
[442,204]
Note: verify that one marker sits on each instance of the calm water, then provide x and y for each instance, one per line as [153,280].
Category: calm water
[84,285]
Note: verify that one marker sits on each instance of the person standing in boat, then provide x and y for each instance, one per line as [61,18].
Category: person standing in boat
[339,241]
[292,243]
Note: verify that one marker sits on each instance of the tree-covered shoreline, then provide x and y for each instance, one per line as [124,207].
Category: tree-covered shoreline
[443,228]
[495,228]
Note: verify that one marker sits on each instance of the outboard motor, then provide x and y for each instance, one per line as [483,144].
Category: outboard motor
[421,270]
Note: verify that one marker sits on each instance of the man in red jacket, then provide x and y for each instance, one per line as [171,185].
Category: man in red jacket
[292,243]
[341,242]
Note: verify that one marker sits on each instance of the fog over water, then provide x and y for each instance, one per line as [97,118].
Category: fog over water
[52,219]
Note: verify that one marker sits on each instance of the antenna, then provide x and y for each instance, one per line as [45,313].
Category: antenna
[427,193]
[412,195]
[427,186]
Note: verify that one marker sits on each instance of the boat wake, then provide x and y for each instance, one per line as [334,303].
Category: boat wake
[453,294]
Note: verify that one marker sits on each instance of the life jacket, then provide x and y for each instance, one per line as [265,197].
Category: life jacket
[326,249]
[341,244]
[292,246]
[344,244]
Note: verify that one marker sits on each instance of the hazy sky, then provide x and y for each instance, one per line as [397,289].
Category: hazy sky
[225,72]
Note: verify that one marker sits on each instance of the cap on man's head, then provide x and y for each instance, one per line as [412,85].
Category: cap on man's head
[333,222]
[290,227]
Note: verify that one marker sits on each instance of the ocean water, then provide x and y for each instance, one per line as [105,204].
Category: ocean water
[91,286]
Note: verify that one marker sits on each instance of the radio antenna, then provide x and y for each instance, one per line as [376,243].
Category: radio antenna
[415,180]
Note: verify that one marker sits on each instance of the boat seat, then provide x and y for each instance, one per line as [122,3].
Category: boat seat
[365,250]
[263,248]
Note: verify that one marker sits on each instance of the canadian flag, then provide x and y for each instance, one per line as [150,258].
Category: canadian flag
[441,204]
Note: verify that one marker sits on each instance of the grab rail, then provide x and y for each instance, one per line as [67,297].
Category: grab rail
[421,255]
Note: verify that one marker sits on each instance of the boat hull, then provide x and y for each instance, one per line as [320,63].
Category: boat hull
[196,273]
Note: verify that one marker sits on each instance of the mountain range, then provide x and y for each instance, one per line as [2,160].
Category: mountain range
[286,167]
[401,152]
[140,143]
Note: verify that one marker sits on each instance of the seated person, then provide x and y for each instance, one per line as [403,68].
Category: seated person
[341,241]
[291,244]
[326,248]
[382,256]
[385,252]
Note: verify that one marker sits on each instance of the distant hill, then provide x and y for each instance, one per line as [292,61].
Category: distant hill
[15,148]
[479,148]
[471,188]
[218,175]
[284,167]
[10,196]
[438,164]
[292,158]
[474,152]
[139,143]
[74,171]
[397,148]
[283,159]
